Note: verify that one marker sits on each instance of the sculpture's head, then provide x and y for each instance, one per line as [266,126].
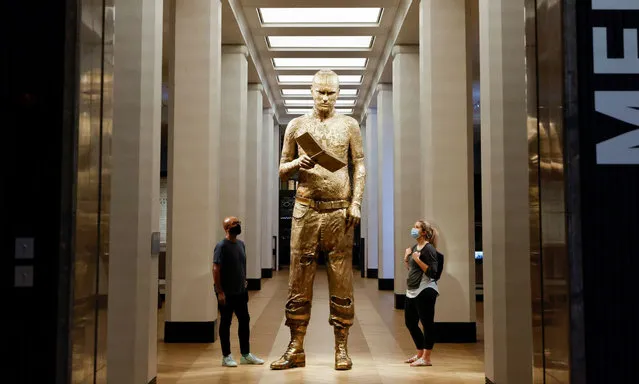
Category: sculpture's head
[325,90]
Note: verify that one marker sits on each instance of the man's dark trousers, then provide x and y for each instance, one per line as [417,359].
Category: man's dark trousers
[237,304]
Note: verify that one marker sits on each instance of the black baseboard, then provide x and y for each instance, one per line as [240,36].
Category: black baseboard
[456,332]
[254,284]
[488,381]
[371,273]
[267,273]
[189,332]
[154,380]
[447,332]
[386,284]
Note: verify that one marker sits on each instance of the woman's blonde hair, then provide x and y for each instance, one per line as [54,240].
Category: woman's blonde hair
[430,232]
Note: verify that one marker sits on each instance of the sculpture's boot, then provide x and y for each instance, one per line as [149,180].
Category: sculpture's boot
[342,361]
[294,355]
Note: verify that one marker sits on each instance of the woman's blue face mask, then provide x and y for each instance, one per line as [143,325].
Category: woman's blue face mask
[414,233]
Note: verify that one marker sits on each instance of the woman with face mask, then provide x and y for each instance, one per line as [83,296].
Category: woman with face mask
[421,292]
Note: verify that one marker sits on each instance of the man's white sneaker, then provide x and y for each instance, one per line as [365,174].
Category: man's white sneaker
[227,361]
[250,358]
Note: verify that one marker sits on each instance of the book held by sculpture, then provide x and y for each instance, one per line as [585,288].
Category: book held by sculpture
[315,151]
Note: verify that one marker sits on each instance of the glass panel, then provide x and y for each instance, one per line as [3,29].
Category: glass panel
[533,165]
[105,189]
[90,282]
[549,261]
[551,182]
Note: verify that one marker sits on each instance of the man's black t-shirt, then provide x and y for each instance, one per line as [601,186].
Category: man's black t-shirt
[231,257]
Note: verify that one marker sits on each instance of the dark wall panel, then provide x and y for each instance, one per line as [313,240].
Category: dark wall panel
[39,83]
[603,158]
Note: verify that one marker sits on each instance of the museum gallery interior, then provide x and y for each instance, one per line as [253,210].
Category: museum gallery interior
[367,191]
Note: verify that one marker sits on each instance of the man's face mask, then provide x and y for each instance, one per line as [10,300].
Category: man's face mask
[235,230]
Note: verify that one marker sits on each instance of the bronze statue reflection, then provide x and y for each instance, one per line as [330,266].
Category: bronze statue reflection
[327,207]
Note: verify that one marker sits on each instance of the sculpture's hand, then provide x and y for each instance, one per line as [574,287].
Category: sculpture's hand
[306,162]
[353,215]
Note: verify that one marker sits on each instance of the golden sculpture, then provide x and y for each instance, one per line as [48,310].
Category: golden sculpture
[327,207]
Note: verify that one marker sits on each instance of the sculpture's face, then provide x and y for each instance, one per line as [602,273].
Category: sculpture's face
[325,90]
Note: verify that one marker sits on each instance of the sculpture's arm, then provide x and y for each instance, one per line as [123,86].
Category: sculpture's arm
[359,169]
[289,164]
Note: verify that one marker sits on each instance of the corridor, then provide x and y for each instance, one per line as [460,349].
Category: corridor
[378,344]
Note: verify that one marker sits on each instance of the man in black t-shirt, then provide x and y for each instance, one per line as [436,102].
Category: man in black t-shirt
[229,275]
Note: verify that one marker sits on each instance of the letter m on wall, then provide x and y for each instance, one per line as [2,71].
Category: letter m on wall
[622,106]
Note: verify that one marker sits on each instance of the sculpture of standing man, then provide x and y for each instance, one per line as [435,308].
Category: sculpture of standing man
[327,208]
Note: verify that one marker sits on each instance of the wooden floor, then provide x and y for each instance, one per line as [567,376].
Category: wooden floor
[378,344]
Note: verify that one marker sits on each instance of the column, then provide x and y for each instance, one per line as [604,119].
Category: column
[275,179]
[447,145]
[372,193]
[267,192]
[364,212]
[135,194]
[408,158]
[385,187]
[232,153]
[194,97]
[507,309]
[252,218]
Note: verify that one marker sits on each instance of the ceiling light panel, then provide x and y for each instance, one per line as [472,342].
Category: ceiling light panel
[312,62]
[308,79]
[307,92]
[308,102]
[319,42]
[301,111]
[319,15]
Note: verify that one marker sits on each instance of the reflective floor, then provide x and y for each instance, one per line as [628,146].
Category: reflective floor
[378,344]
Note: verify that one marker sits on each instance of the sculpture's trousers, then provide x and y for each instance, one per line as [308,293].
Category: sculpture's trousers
[314,230]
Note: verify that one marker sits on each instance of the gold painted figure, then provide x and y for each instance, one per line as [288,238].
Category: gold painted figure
[327,207]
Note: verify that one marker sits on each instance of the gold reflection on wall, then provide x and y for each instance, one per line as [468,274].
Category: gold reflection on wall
[88,334]
[549,260]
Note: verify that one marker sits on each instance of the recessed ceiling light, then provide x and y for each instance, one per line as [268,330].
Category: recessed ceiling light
[313,62]
[301,111]
[319,15]
[318,42]
[297,111]
[308,79]
[348,92]
[308,102]
[307,92]
[296,92]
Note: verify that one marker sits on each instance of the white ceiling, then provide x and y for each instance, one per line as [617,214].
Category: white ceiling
[255,34]
[399,24]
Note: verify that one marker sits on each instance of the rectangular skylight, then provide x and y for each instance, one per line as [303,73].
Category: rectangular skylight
[308,102]
[308,79]
[319,15]
[319,42]
[313,62]
[301,111]
[307,92]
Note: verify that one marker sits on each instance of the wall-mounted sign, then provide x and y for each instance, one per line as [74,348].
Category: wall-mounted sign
[612,80]
[608,186]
